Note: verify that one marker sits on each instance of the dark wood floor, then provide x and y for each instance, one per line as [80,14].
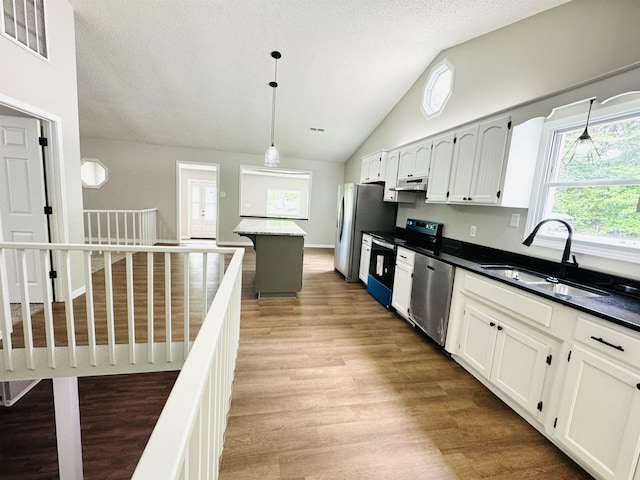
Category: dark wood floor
[329,385]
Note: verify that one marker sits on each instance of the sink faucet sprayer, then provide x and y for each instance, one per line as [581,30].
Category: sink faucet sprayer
[567,246]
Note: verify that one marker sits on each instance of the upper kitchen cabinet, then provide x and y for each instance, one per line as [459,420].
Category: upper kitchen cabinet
[440,169]
[374,167]
[494,163]
[477,162]
[391,181]
[415,160]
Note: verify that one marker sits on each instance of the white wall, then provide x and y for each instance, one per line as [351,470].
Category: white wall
[49,90]
[144,176]
[554,56]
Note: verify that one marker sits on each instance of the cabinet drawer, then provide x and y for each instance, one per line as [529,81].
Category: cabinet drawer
[613,343]
[405,256]
[524,306]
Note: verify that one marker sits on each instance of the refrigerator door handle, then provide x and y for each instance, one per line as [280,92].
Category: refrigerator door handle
[341,218]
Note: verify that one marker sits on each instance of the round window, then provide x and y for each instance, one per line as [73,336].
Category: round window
[437,89]
[93,173]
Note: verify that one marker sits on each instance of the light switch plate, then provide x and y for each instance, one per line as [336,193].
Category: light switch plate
[472,231]
[515,219]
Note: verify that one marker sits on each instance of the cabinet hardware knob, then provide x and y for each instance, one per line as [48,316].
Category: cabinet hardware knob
[492,324]
[499,327]
[638,386]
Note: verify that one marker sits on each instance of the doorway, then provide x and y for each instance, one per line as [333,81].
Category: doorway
[198,186]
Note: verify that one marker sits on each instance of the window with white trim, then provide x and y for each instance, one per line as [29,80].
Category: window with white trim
[437,89]
[23,22]
[597,193]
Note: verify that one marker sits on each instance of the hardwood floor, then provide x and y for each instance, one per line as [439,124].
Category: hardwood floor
[329,385]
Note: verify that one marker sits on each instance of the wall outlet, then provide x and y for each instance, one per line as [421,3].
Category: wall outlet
[472,231]
[515,219]
[223,194]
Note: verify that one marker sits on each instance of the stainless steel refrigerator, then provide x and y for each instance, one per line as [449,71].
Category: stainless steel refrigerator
[360,207]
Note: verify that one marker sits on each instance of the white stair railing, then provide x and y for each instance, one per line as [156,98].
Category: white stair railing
[121,227]
[188,438]
[136,315]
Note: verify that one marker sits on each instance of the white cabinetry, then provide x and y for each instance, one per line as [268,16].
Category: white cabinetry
[391,181]
[374,167]
[440,168]
[599,412]
[415,160]
[365,258]
[479,157]
[403,281]
[505,353]
[494,163]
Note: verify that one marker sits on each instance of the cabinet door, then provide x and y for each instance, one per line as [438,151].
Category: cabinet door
[520,366]
[441,156]
[407,163]
[478,338]
[379,172]
[402,282]
[490,156]
[364,171]
[464,153]
[599,414]
[422,159]
[365,258]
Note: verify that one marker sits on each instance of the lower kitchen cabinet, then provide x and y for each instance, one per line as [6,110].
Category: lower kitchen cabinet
[598,417]
[403,281]
[506,354]
[365,258]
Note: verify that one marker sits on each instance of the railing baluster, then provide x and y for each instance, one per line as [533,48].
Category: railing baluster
[130,309]
[68,308]
[117,229]
[23,281]
[109,237]
[6,326]
[186,304]
[205,274]
[99,223]
[126,228]
[47,300]
[91,321]
[108,285]
[133,218]
[167,305]
[150,340]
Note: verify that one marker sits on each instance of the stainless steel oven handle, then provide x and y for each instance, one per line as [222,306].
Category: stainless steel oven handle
[382,243]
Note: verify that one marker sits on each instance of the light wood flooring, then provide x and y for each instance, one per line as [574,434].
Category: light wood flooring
[329,385]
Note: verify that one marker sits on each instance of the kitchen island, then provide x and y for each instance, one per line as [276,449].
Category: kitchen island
[279,246]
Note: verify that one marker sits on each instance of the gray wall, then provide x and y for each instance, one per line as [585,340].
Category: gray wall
[144,176]
[554,56]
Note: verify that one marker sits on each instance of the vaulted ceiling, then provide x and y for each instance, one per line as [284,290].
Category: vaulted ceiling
[195,73]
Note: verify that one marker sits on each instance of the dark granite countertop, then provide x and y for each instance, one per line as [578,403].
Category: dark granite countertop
[620,304]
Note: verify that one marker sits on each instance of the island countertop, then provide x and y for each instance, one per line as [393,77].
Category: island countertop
[265,226]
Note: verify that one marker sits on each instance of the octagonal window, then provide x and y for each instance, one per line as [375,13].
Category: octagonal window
[437,89]
[93,173]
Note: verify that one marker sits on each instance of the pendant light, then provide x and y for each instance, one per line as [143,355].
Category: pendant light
[583,147]
[272,157]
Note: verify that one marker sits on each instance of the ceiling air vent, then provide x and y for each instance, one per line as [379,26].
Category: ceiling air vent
[316,129]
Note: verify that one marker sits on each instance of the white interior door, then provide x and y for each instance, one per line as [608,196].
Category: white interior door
[203,197]
[22,198]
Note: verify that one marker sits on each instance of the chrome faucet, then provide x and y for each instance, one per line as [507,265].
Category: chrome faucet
[567,246]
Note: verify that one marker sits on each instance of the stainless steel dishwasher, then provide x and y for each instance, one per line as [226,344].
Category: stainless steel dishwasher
[431,296]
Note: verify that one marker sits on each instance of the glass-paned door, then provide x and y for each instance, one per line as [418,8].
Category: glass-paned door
[203,204]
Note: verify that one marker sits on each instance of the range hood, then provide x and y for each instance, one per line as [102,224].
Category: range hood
[412,184]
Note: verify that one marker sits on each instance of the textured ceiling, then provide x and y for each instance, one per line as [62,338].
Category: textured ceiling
[195,73]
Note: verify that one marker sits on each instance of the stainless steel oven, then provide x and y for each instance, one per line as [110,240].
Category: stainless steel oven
[381,269]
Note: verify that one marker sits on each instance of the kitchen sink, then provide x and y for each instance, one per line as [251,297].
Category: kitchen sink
[542,281]
[569,290]
[515,273]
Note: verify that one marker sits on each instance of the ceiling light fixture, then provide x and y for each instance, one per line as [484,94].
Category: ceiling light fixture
[583,147]
[272,157]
